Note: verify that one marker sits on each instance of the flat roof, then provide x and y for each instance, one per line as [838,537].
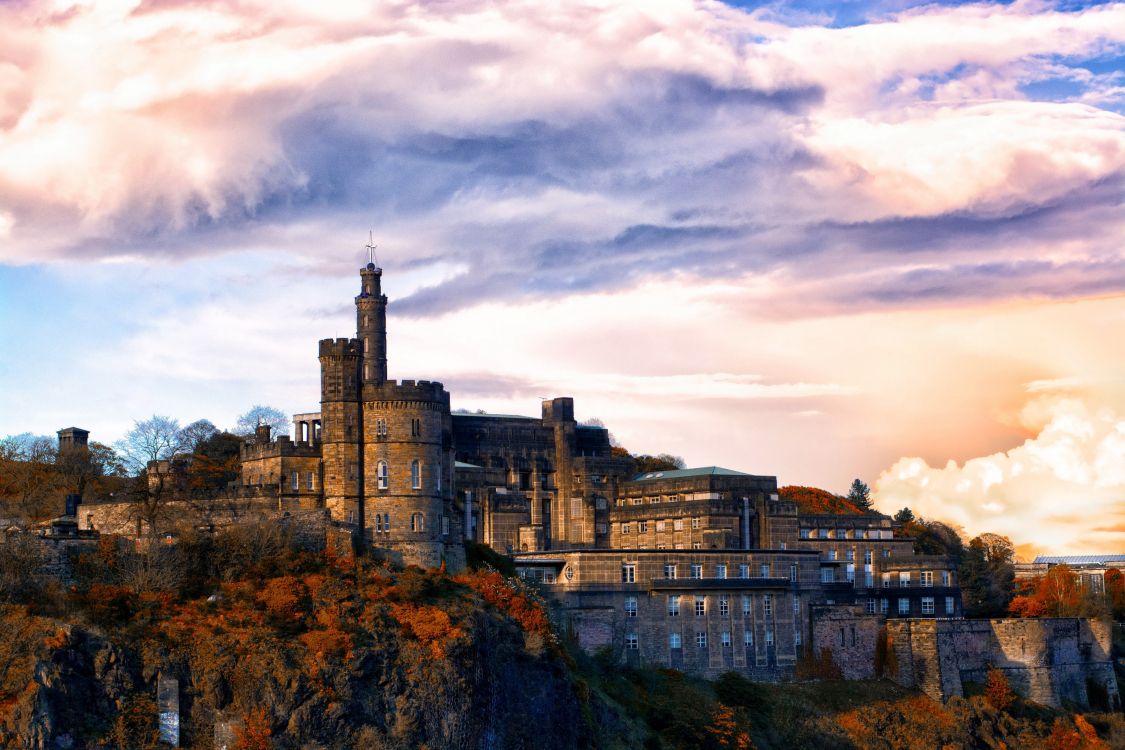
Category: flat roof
[491,416]
[1079,559]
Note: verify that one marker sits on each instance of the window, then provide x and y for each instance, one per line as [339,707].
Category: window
[904,579]
[669,571]
[381,427]
[696,545]
[927,605]
[724,605]
[678,524]
[444,525]
[437,478]
[849,555]
[796,607]
[378,523]
[701,639]
[849,572]
[674,606]
[946,579]
[599,528]
[695,523]
[631,643]
[867,557]
[674,640]
[904,606]
[351,516]
[696,571]
[832,554]
[797,636]
[630,606]
[949,605]
[724,638]
[804,533]
[747,606]
[767,605]
[743,571]
[884,605]
[382,476]
[826,575]
[575,507]
[296,481]
[793,572]
[869,606]
[720,571]
[309,480]
[700,606]
[416,474]
[660,526]
[628,573]
[748,638]
[624,528]
[642,527]
[417,522]
[386,523]
[766,570]
[599,503]
[769,637]
[415,427]
[353,471]
[886,580]
[927,579]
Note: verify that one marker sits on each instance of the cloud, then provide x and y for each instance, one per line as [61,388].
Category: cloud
[547,151]
[1062,490]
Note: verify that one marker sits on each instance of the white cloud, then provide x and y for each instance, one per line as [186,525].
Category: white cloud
[1062,490]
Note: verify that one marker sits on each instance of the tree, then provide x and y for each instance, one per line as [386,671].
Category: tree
[904,516]
[860,495]
[29,486]
[260,414]
[662,462]
[987,574]
[936,538]
[155,439]
[80,468]
[196,433]
[997,691]
[1115,593]
[1059,593]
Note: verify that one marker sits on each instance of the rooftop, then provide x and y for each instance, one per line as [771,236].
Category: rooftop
[702,471]
[489,416]
[1080,559]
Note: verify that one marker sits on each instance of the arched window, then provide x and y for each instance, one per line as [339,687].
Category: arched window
[383,477]
[416,474]
[417,522]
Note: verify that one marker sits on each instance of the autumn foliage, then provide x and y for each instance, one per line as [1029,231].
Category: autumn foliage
[1059,593]
[997,691]
[817,501]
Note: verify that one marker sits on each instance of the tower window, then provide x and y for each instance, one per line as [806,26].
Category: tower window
[296,481]
[417,522]
[416,474]
[309,481]
[382,475]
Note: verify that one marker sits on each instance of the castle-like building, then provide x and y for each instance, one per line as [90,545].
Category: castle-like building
[705,569]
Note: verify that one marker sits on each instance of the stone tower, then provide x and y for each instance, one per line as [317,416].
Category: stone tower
[387,446]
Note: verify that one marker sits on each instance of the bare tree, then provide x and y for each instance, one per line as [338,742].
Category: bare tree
[29,484]
[260,414]
[197,433]
[155,439]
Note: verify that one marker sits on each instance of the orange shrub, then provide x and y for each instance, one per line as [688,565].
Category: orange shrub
[430,625]
[255,732]
[997,691]
[284,599]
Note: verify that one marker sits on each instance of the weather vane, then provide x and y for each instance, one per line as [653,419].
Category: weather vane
[371,257]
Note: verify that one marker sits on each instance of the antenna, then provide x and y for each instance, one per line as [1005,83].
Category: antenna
[371,256]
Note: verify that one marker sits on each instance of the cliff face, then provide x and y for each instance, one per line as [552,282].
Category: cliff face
[375,660]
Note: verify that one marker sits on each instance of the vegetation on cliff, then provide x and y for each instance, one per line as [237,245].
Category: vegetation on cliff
[815,500]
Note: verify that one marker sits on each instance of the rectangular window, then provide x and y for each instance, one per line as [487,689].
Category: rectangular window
[624,528]
[642,527]
[696,571]
[700,606]
[660,526]
[630,606]
[744,571]
[850,555]
[927,605]
[678,524]
[769,637]
[720,571]
[576,507]
[884,605]
[797,636]
[904,606]
[674,640]
[904,579]
[696,545]
[804,533]
[748,638]
[767,605]
[631,642]
[945,578]
[886,580]
[766,570]
[296,481]
[747,606]
[701,639]
[724,605]
[695,523]
[628,573]
[309,480]
[949,605]
[724,637]
[927,579]
[670,571]
[674,605]
[869,606]
[796,607]
[849,572]
[827,575]
[444,525]
[867,557]
[793,572]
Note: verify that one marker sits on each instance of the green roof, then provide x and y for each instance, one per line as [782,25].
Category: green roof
[702,471]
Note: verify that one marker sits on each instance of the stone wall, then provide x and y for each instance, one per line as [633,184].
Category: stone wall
[1048,660]
[850,635]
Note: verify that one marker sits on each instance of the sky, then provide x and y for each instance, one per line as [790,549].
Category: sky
[813,240]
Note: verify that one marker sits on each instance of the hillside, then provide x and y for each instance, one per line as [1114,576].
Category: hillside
[815,500]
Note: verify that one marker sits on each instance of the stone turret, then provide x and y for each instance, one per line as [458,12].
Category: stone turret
[371,324]
[341,429]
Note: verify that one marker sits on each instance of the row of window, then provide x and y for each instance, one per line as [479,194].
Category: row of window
[629,571]
[295,481]
[675,640]
[847,534]
[383,476]
[700,602]
[677,525]
[925,579]
[381,427]
[903,604]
